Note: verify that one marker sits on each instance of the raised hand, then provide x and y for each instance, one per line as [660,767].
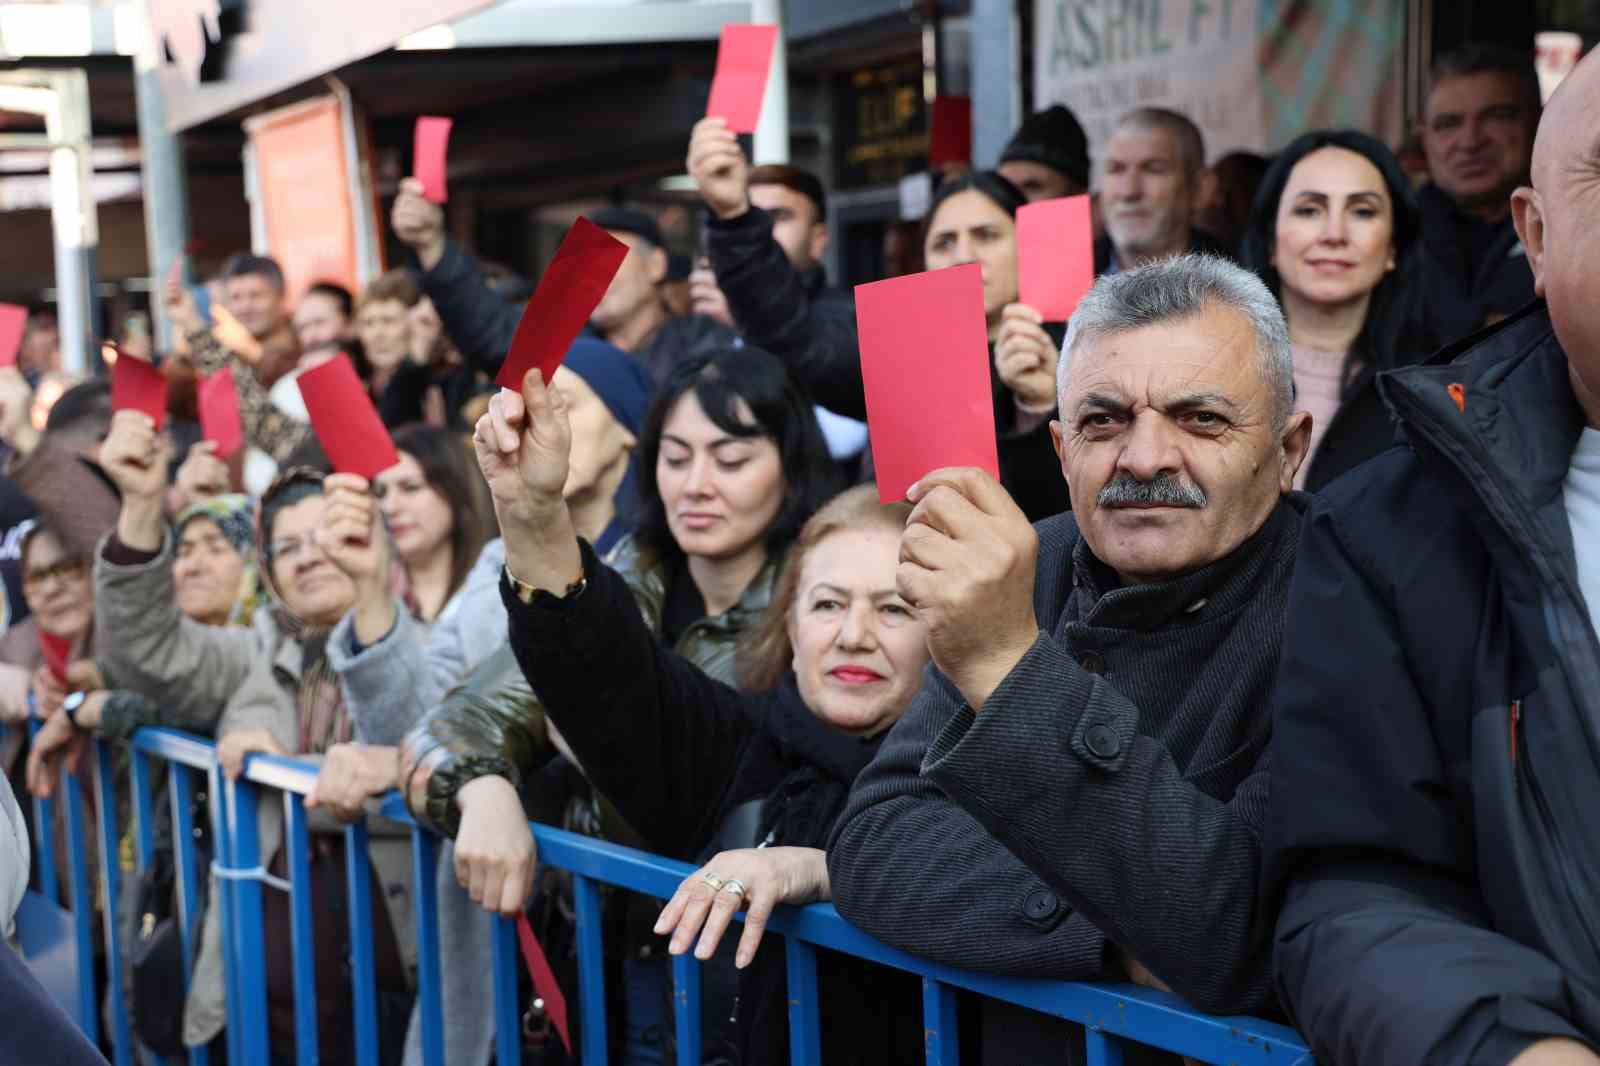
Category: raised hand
[524,444]
[719,167]
[179,301]
[135,456]
[419,223]
[967,560]
[201,475]
[1025,358]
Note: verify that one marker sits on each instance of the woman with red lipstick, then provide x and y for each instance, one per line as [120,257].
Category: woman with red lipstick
[1330,234]
[838,655]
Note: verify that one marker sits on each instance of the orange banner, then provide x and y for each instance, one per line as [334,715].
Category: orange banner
[302,165]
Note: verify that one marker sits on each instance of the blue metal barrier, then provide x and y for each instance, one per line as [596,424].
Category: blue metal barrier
[1110,1014]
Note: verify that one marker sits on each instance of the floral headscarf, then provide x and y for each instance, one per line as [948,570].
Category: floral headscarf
[235,517]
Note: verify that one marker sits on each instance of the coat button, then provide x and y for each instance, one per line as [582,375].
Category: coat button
[1040,904]
[1093,662]
[1102,741]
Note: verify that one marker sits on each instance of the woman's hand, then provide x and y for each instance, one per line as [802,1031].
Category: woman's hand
[15,684]
[48,692]
[350,775]
[353,537]
[1025,358]
[706,901]
[232,749]
[495,856]
[524,445]
[135,456]
[201,475]
[58,739]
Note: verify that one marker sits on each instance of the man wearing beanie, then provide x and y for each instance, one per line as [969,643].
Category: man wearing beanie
[1048,156]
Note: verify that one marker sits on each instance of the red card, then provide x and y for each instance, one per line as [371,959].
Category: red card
[56,651]
[429,149]
[346,423]
[1055,255]
[925,364]
[13,321]
[218,398]
[571,288]
[950,131]
[744,59]
[138,386]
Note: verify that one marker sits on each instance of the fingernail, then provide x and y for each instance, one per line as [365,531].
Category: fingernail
[703,952]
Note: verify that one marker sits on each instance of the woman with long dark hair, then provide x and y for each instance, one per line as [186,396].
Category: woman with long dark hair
[1332,227]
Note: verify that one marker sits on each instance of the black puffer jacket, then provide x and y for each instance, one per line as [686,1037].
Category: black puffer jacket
[1436,744]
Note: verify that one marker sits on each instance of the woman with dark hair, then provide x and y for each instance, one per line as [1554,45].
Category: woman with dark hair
[731,465]
[846,654]
[1331,232]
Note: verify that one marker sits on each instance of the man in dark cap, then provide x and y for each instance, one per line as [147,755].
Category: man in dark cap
[631,315]
[1048,157]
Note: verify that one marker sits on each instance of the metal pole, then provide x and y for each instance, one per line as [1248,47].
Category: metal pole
[994,78]
[771,144]
[72,210]
[166,193]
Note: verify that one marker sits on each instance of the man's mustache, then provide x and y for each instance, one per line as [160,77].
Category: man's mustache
[1163,490]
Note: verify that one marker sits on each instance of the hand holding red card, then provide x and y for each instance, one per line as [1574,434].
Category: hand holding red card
[346,423]
[220,422]
[744,59]
[13,322]
[138,386]
[431,145]
[1055,255]
[571,288]
[925,365]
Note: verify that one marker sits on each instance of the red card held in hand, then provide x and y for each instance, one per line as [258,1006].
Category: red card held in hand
[925,365]
[571,288]
[218,399]
[56,651]
[13,321]
[430,149]
[138,386]
[346,423]
[950,131]
[1055,255]
[744,59]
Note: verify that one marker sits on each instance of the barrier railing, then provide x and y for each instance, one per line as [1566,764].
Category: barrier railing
[1109,1014]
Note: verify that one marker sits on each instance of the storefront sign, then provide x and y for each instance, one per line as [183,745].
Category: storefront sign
[304,187]
[1250,73]
[880,125]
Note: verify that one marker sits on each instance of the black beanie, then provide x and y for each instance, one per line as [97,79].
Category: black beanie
[1054,138]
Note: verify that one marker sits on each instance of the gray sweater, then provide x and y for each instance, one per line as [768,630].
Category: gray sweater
[1112,789]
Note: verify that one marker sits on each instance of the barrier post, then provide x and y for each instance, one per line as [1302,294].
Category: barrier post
[805,1020]
[424,868]
[1103,1049]
[591,969]
[940,1032]
[82,905]
[44,821]
[363,968]
[187,877]
[105,800]
[297,841]
[507,1020]
[686,1006]
[250,1019]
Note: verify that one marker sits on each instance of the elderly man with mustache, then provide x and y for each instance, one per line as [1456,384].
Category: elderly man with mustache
[1078,789]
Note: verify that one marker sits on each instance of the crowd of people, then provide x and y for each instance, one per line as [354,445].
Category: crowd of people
[1265,672]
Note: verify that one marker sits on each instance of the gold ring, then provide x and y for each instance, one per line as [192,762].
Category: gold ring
[713,880]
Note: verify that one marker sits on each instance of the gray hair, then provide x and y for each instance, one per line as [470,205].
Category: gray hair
[1186,135]
[1179,288]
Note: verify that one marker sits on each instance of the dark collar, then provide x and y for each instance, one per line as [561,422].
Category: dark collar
[1100,599]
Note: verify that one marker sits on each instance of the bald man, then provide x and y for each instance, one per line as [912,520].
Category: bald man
[1434,841]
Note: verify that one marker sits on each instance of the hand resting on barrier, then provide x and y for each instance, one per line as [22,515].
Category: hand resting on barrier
[350,775]
[495,855]
[59,739]
[233,747]
[708,898]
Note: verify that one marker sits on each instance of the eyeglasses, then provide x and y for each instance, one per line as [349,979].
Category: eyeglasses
[62,569]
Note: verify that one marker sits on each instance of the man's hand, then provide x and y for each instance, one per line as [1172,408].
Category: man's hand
[179,301]
[353,537]
[232,749]
[418,223]
[1025,358]
[350,775]
[201,475]
[706,296]
[967,560]
[719,167]
[495,856]
[16,409]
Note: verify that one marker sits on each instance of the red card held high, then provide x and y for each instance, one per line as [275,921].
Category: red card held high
[571,288]
[950,131]
[744,59]
[138,386]
[430,150]
[218,399]
[925,364]
[13,321]
[1055,255]
[346,423]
